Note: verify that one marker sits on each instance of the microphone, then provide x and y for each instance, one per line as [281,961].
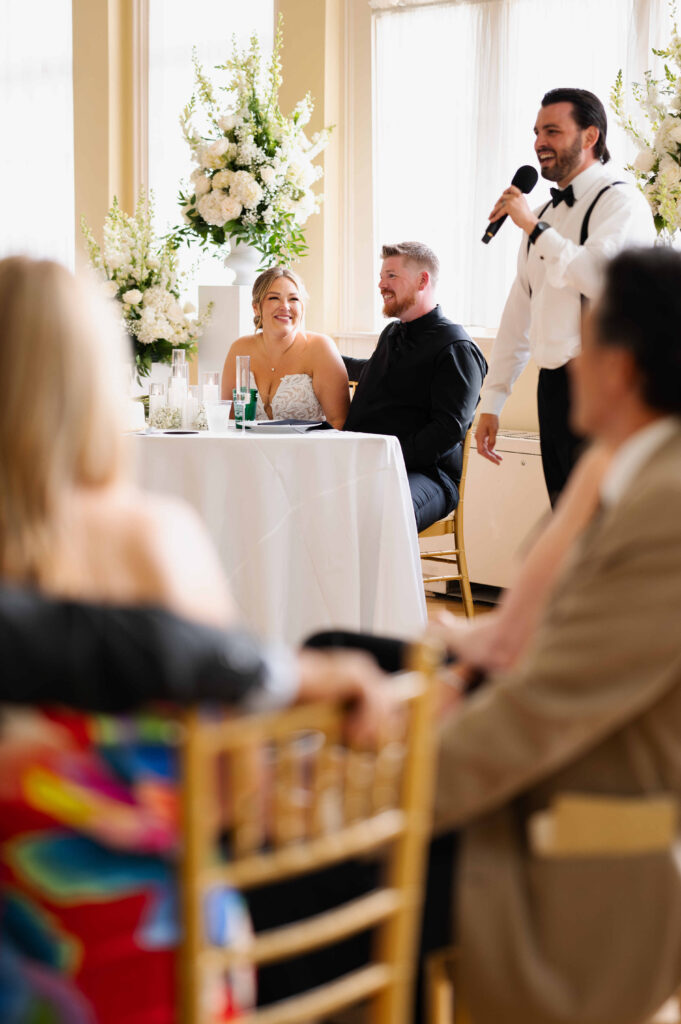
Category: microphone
[525,178]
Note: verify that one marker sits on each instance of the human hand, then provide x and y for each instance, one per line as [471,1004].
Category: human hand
[475,644]
[512,203]
[486,436]
[354,677]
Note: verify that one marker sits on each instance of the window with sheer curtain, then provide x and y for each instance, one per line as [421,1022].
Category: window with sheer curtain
[458,86]
[36,100]
[174,28]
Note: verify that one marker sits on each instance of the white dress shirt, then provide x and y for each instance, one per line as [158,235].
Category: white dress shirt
[631,457]
[542,315]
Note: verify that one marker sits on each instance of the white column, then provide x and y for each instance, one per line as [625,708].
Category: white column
[231,318]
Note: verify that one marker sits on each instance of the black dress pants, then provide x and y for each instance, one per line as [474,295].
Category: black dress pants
[560,446]
[429,498]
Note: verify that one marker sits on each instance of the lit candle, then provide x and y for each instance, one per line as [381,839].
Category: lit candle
[211,387]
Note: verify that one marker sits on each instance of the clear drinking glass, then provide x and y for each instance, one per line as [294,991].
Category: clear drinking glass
[243,373]
[157,397]
[242,390]
[217,416]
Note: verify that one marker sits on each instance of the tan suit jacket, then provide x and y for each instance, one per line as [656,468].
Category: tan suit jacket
[596,709]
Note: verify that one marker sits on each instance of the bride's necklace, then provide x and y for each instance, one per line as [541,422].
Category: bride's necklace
[267,355]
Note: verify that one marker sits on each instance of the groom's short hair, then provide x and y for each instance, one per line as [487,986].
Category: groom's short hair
[415,252]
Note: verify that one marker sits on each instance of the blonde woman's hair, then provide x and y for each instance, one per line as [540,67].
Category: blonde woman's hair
[264,282]
[61,358]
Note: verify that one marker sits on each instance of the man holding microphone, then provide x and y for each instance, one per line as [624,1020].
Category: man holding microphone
[565,243]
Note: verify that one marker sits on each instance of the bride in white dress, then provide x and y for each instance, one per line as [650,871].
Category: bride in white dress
[299,374]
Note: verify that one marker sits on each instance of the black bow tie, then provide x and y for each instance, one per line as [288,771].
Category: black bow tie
[567,194]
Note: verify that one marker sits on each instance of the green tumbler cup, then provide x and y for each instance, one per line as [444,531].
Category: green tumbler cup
[249,410]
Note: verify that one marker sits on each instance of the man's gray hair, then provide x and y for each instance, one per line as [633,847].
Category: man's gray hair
[415,252]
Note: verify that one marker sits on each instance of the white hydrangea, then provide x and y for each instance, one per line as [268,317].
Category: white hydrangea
[210,208]
[231,207]
[223,179]
[246,189]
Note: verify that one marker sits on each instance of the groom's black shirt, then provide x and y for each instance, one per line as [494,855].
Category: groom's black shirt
[422,384]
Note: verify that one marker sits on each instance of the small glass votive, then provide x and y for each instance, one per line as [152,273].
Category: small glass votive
[211,387]
[217,416]
[157,397]
[192,408]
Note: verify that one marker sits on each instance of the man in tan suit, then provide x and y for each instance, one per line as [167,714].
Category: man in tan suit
[551,936]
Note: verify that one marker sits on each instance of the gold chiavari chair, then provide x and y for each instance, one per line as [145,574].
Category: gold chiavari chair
[455,556]
[328,805]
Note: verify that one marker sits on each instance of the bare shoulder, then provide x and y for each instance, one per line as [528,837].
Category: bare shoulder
[322,347]
[243,345]
[176,561]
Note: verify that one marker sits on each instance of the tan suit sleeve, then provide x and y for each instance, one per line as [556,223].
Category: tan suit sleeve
[608,648]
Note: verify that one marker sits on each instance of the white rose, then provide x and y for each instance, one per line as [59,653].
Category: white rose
[201,183]
[227,122]
[212,156]
[670,170]
[645,161]
[133,296]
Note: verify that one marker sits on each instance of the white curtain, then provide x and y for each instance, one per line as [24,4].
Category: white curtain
[457,90]
[174,28]
[36,109]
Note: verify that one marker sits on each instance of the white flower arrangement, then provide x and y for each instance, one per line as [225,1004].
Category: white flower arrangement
[166,418]
[141,272]
[255,171]
[657,166]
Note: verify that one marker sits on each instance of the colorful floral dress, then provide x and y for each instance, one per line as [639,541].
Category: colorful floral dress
[88,841]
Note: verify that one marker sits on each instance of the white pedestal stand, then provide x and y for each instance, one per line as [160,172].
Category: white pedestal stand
[232,316]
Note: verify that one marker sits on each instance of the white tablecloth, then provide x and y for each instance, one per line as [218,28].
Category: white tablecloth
[314,530]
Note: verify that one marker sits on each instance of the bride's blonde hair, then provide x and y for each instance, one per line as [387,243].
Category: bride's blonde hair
[264,282]
[61,356]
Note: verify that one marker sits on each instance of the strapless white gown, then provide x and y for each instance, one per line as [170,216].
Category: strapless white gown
[294,399]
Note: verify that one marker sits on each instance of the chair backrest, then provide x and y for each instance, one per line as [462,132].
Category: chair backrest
[321,804]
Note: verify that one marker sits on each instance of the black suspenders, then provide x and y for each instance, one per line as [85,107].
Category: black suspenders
[584,231]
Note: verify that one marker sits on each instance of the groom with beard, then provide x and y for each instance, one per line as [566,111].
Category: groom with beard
[422,383]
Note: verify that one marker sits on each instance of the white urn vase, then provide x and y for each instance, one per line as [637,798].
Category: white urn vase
[243,261]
